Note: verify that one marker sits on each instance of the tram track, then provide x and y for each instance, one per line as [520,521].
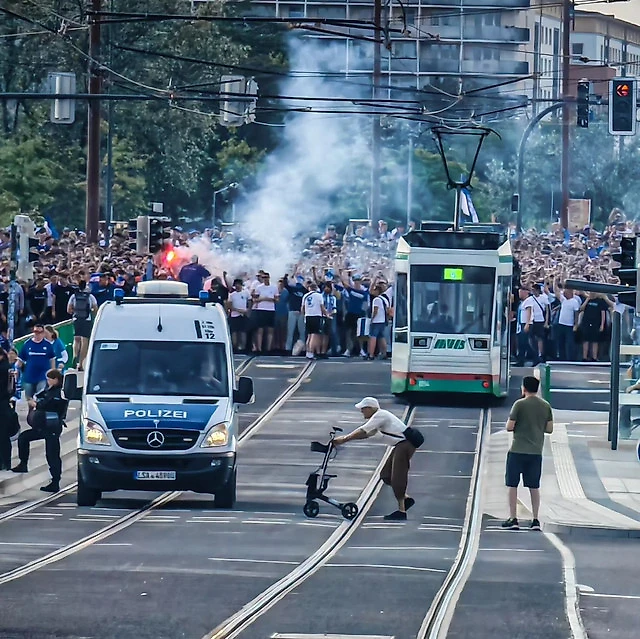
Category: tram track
[436,621]
[136,515]
[29,507]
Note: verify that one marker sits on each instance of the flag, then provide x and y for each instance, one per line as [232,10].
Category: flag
[467,206]
[50,228]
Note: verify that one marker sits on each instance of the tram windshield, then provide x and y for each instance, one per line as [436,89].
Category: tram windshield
[451,300]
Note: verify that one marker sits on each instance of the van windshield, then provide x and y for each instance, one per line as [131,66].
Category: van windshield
[158,368]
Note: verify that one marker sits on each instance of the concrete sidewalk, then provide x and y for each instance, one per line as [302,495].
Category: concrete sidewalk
[26,486]
[587,489]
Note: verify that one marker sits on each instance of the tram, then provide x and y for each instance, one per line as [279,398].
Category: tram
[451,321]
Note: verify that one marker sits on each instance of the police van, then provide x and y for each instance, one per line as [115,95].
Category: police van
[159,397]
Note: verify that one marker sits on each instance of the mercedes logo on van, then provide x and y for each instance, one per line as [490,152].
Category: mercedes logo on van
[155,439]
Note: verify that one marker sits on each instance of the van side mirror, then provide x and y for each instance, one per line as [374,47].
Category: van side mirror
[244,393]
[70,387]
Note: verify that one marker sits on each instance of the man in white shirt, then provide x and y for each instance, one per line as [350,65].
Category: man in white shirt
[238,307]
[393,432]
[567,322]
[314,312]
[265,296]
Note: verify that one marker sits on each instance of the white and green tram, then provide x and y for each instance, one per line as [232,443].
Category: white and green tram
[451,323]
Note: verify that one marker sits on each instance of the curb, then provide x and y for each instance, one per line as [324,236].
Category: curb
[590,532]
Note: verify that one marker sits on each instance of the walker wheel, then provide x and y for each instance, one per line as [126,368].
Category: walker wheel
[311,509]
[349,510]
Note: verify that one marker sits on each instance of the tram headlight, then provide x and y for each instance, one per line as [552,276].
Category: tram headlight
[480,344]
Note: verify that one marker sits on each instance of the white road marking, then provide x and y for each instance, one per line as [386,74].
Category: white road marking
[28,543]
[290,635]
[400,548]
[255,561]
[571,591]
[386,566]
[274,522]
[608,596]
[510,550]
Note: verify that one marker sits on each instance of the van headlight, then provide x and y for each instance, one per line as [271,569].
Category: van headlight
[93,433]
[217,435]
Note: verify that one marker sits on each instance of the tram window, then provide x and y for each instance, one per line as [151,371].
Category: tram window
[447,304]
[402,320]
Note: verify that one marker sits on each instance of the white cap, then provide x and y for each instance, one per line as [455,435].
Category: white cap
[368,402]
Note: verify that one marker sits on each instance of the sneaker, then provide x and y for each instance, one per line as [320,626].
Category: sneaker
[535,525]
[397,515]
[20,468]
[511,524]
[409,502]
[346,354]
[363,353]
[53,487]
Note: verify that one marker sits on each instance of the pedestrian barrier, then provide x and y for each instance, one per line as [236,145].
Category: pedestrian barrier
[543,373]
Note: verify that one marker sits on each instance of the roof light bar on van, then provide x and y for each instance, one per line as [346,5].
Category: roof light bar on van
[203,296]
[118,296]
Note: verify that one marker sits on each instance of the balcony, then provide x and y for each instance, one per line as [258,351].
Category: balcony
[491,68]
[484,4]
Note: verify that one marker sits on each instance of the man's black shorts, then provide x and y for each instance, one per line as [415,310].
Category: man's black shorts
[238,324]
[313,325]
[529,466]
[537,330]
[265,319]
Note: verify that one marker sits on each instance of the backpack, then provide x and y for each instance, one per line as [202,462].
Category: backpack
[81,307]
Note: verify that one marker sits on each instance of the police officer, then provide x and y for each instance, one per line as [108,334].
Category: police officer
[45,426]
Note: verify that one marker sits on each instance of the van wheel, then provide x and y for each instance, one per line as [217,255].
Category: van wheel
[225,497]
[86,496]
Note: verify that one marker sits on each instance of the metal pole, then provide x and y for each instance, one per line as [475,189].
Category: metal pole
[93,129]
[566,59]
[376,125]
[11,319]
[456,212]
[108,216]
[213,209]
[410,180]
[614,403]
[523,140]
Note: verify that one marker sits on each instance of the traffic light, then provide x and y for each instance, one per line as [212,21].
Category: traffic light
[583,104]
[626,257]
[139,234]
[622,106]
[133,234]
[158,232]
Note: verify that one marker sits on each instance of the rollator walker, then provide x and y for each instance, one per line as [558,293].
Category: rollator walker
[318,482]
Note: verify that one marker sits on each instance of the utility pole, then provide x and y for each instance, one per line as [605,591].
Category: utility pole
[92,219]
[566,113]
[376,125]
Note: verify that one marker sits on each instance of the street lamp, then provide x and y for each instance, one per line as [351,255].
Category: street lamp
[233,185]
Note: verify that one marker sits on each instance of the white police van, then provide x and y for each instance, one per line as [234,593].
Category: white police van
[159,397]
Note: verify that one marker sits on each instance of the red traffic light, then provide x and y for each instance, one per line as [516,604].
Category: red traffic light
[623,90]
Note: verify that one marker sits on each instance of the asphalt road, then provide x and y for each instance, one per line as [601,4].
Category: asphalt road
[184,568]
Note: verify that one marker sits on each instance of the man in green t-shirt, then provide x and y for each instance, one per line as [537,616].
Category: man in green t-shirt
[530,418]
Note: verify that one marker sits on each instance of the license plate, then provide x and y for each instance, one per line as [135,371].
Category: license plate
[423,383]
[155,474]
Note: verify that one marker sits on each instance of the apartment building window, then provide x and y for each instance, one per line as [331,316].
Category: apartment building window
[577,48]
[492,19]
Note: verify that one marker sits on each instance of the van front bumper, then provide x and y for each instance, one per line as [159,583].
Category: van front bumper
[112,470]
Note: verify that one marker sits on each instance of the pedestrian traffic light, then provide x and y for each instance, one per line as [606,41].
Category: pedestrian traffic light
[622,106]
[626,257]
[583,103]
[158,232]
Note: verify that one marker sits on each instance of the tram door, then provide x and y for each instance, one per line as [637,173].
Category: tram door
[502,333]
